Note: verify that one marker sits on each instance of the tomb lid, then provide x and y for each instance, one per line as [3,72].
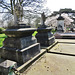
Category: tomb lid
[60,18]
[8,63]
[44,29]
[22,32]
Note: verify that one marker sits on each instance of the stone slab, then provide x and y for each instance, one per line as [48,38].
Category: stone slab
[65,35]
[65,40]
[22,32]
[4,66]
[48,29]
[45,38]
[64,48]
[22,55]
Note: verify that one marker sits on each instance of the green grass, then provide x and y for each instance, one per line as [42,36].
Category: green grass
[2,37]
[53,31]
[1,29]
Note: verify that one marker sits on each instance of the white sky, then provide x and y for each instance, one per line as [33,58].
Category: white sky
[55,5]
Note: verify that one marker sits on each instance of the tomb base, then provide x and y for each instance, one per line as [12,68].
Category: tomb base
[45,37]
[20,55]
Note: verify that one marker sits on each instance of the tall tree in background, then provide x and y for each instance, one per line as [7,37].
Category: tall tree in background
[32,6]
[27,4]
[30,9]
[65,10]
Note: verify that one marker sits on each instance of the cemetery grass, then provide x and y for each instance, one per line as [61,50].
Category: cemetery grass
[2,37]
[53,31]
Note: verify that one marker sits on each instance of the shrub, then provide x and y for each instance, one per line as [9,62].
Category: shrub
[53,31]
[1,29]
[2,37]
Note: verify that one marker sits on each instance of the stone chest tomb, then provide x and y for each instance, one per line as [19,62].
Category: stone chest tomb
[20,46]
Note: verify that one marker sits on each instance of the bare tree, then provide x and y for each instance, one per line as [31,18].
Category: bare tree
[30,8]
[28,5]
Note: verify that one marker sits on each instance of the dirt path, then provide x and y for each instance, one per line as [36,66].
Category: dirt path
[54,64]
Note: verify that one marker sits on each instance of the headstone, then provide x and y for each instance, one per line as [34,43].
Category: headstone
[60,24]
[45,37]
[20,45]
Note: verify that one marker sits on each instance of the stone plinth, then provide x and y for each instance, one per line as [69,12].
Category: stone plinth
[20,55]
[65,35]
[4,66]
[60,24]
[45,37]
[20,45]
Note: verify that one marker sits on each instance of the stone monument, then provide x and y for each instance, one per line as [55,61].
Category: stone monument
[60,24]
[44,36]
[20,46]
[18,14]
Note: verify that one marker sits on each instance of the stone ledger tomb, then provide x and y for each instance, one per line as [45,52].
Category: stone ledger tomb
[45,37]
[20,46]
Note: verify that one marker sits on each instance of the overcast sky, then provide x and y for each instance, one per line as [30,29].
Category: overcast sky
[55,5]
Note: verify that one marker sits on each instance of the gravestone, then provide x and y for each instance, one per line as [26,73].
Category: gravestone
[44,36]
[60,24]
[20,46]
